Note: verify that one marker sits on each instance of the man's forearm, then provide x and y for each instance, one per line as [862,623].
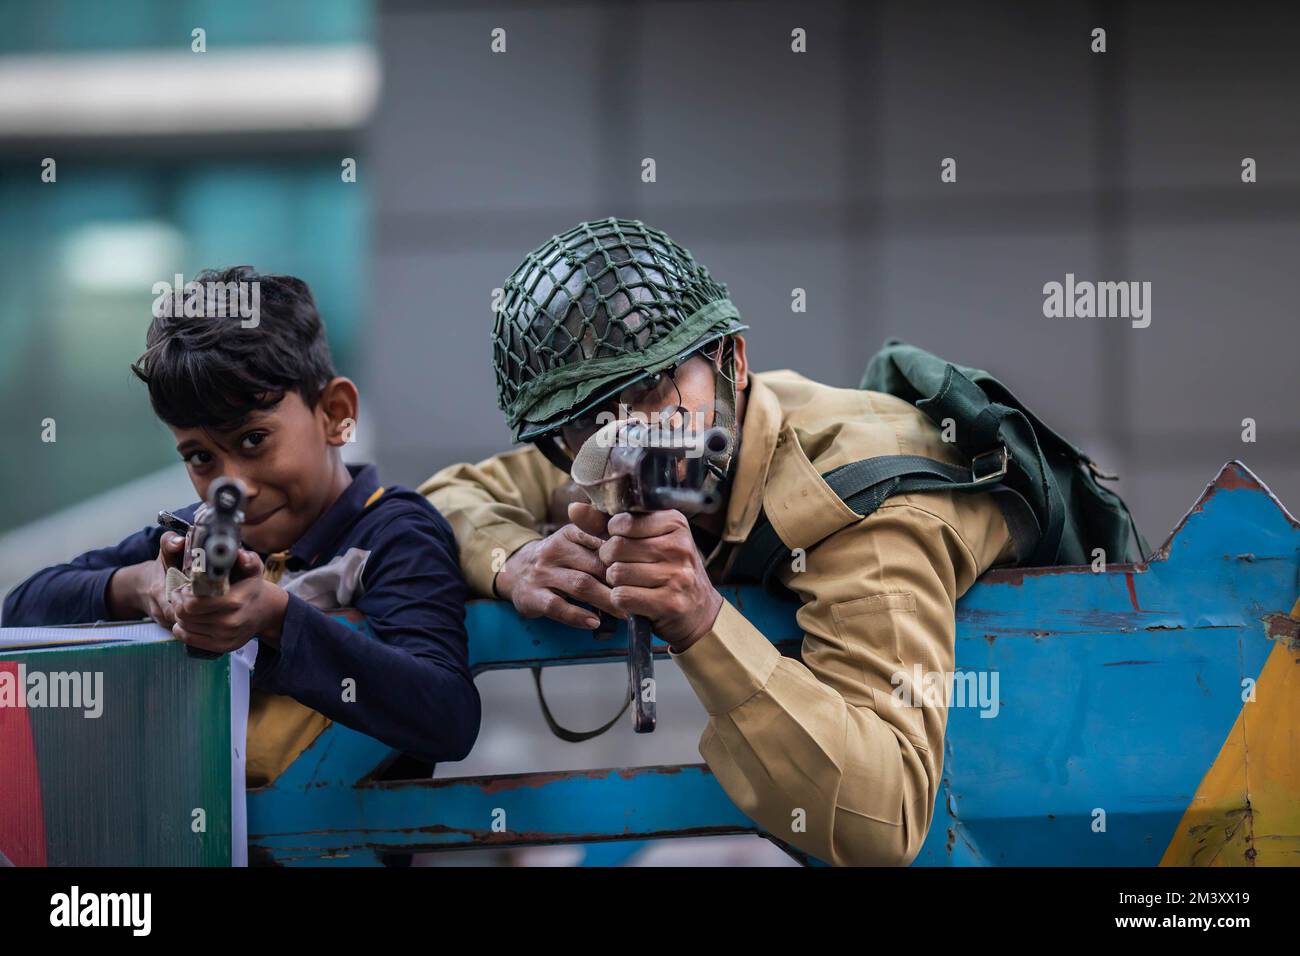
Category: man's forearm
[484,550]
[495,508]
[503,581]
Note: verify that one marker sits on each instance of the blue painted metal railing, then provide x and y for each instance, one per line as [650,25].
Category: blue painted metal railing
[1116,691]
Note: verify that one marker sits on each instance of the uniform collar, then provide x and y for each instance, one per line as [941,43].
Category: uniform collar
[339,516]
[758,437]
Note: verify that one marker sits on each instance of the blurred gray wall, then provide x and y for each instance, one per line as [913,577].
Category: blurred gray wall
[821,171]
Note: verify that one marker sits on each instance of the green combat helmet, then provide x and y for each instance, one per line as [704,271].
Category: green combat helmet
[592,311]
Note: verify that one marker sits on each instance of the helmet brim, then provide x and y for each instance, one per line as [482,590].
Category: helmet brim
[533,430]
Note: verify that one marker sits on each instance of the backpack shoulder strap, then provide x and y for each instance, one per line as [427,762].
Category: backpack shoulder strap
[865,485]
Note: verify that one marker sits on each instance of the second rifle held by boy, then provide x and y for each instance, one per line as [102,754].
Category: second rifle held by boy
[211,544]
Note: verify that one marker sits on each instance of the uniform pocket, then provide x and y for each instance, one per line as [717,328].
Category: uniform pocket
[875,604]
[869,628]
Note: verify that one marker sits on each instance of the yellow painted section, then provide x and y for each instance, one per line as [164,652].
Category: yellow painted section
[1246,812]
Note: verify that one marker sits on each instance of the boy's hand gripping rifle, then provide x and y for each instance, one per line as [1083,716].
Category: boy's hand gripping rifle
[211,545]
[632,467]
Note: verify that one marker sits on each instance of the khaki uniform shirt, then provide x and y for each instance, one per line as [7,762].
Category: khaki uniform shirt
[818,751]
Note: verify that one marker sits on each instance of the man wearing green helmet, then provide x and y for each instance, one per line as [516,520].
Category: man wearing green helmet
[613,316]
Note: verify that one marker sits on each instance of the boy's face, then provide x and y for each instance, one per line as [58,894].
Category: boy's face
[285,456]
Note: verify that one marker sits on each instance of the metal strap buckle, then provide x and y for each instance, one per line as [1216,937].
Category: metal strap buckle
[977,478]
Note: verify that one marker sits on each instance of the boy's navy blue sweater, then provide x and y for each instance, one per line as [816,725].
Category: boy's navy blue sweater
[392,558]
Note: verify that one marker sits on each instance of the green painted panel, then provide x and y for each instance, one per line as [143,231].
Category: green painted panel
[122,788]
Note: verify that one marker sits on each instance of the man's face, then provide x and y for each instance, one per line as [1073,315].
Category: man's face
[283,458]
[690,386]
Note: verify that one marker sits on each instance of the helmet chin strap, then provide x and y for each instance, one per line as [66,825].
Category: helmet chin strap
[553,453]
[718,473]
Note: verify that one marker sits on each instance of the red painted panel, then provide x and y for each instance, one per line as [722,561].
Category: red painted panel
[22,819]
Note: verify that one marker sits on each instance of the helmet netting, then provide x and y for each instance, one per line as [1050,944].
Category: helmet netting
[604,289]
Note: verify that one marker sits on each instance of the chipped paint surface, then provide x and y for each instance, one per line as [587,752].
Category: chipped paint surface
[1283,628]
[509,810]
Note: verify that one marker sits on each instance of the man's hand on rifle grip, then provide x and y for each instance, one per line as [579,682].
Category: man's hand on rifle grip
[655,570]
[545,577]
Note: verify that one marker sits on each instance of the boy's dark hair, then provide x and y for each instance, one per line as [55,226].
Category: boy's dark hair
[211,372]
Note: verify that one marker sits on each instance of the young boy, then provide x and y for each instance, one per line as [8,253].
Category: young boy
[260,401]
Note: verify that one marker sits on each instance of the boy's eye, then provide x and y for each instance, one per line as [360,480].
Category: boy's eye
[197,459]
[252,440]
